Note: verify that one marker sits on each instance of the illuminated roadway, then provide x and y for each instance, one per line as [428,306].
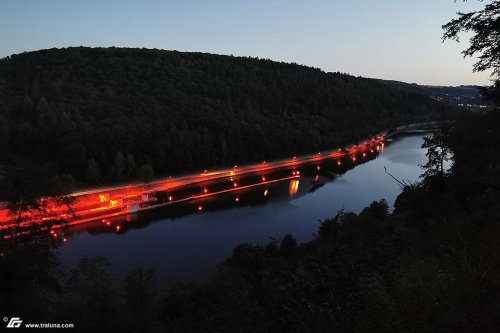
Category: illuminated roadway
[106,202]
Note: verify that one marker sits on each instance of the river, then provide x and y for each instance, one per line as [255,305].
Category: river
[186,245]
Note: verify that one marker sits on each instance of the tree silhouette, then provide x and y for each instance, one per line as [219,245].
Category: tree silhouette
[485,41]
[23,188]
[288,245]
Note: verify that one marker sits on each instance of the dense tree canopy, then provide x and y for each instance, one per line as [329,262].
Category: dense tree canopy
[112,114]
[430,266]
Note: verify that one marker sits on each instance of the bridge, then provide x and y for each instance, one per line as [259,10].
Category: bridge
[114,201]
[415,126]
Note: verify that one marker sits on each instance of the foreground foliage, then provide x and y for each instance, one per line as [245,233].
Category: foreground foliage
[431,265]
[483,27]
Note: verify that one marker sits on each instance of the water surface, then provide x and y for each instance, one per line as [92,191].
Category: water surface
[187,246]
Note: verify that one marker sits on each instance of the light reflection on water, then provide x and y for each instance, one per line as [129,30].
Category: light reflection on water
[187,248]
[294,187]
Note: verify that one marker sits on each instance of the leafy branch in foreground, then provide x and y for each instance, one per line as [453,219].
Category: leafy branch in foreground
[35,198]
[485,41]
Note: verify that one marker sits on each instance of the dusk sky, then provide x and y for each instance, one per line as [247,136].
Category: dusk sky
[389,39]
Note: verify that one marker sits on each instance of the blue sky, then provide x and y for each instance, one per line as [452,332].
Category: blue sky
[389,39]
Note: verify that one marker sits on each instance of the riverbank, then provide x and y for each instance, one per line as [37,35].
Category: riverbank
[431,265]
[183,244]
[127,199]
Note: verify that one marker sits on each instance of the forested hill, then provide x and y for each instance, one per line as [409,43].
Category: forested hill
[469,96]
[105,114]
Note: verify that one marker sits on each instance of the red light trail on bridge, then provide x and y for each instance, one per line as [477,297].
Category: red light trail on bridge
[109,202]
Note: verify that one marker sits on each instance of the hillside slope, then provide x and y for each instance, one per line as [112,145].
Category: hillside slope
[469,97]
[101,113]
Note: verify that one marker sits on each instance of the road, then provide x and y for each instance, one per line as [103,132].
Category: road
[106,202]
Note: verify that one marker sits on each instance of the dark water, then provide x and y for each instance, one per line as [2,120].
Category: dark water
[184,245]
